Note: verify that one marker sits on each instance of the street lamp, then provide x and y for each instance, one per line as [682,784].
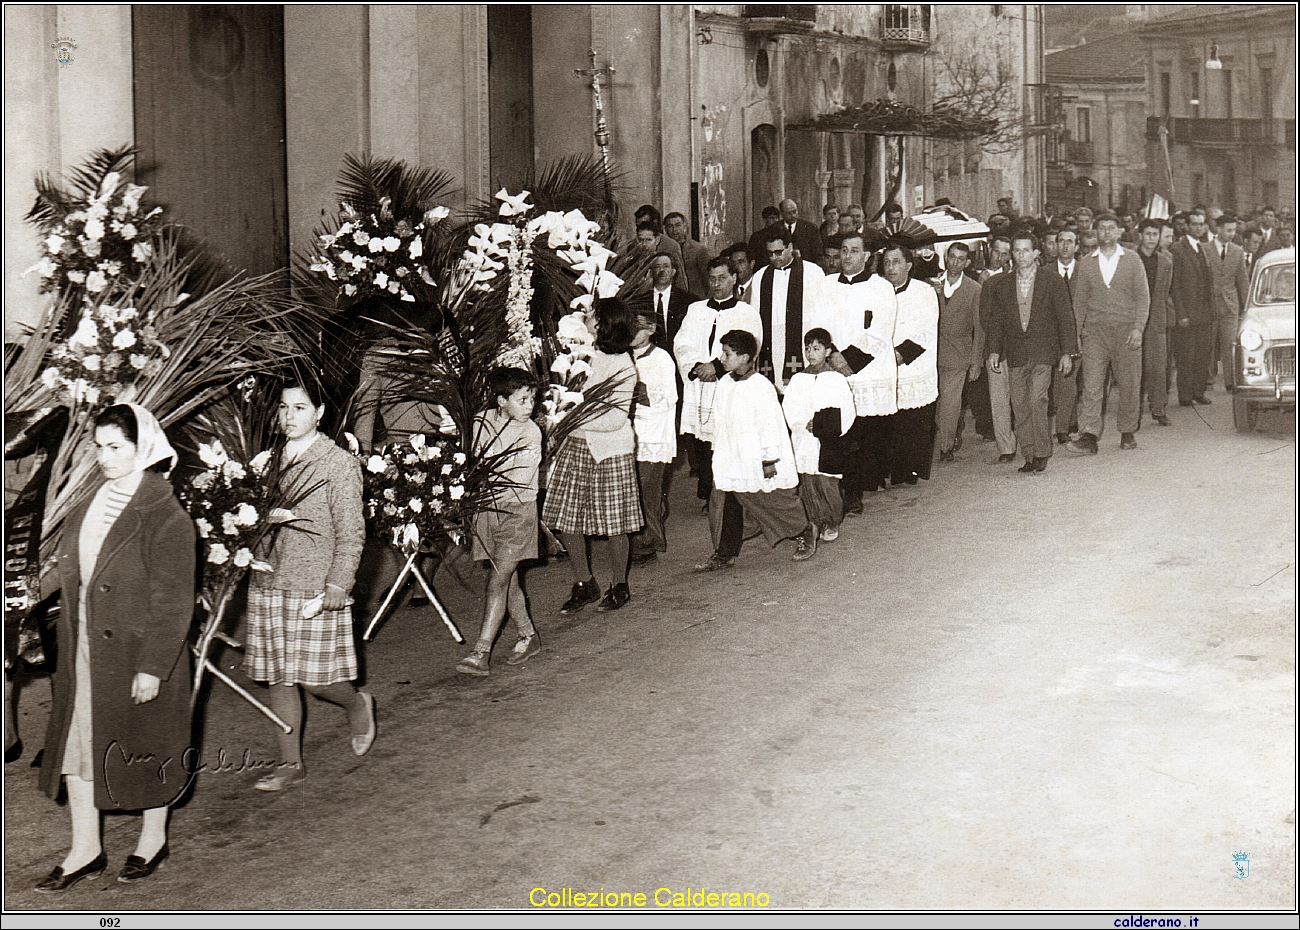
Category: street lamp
[1213,64]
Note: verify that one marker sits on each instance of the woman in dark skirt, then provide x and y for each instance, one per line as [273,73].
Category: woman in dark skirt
[120,725]
[593,491]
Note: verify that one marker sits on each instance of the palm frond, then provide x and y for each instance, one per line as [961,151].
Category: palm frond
[365,182]
[54,201]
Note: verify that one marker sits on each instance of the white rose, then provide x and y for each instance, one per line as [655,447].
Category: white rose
[96,282]
[392,243]
[376,245]
[50,377]
[459,458]
[228,524]
[91,362]
[243,558]
[381,279]
[246,514]
[139,361]
[76,276]
[141,251]
[415,504]
[361,237]
[234,470]
[53,243]
[417,247]
[129,231]
[218,554]
[457,492]
[94,229]
[204,526]
[376,464]
[124,339]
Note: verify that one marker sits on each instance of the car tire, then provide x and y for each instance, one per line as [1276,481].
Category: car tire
[1245,415]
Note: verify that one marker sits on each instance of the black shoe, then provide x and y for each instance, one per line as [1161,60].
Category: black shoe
[14,752]
[1006,458]
[1086,444]
[1202,399]
[1062,438]
[58,882]
[853,506]
[1040,465]
[1161,419]
[1127,441]
[617,596]
[1184,403]
[584,593]
[946,457]
[136,868]
[1028,468]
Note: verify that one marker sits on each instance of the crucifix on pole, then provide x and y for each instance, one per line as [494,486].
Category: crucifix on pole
[602,130]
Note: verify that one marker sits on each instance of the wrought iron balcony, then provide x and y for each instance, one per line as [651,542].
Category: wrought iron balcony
[905,25]
[1219,132]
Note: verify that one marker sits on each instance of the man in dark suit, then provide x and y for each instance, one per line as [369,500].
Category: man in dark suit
[806,237]
[1155,352]
[1065,387]
[758,241]
[668,301]
[1031,329]
[961,345]
[1190,295]
[1229,286]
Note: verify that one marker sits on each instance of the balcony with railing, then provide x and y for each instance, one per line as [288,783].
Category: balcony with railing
[1221,132]
[905,25]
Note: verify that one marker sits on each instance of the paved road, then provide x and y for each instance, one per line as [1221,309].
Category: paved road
[1073,690]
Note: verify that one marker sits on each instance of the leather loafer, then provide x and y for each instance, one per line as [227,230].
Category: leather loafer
[59,881]
[1006,458]
[136,868]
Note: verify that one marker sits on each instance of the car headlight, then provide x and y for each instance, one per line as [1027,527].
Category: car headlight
[1251,338]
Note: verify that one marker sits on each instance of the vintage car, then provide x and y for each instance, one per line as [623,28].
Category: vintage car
[1265,351]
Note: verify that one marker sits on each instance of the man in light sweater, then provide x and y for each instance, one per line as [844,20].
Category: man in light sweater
[1111,302]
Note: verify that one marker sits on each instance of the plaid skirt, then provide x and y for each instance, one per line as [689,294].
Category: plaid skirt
[589,497]
[283,648]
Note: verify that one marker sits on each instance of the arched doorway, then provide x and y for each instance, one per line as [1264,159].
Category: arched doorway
[763,172]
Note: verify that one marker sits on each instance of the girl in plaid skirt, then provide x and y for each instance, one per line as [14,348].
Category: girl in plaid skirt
[593,489]
[299,615]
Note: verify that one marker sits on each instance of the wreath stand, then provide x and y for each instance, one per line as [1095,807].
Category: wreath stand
[410,568]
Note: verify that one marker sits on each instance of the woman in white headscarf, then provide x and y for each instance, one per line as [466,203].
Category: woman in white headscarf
[119,733]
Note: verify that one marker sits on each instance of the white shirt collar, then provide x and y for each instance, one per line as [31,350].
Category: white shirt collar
[950,288]
[1196,243]
[1063,268]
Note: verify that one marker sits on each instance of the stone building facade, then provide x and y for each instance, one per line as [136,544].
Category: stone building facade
[242,114]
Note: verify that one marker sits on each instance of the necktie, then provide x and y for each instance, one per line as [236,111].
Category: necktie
[660,309]
[1222,249]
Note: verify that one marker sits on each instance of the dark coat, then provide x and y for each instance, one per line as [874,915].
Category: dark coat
[140,603]
[679,301]
[1190,290]
[1051,333]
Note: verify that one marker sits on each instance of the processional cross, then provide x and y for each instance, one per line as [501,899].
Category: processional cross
[602,130]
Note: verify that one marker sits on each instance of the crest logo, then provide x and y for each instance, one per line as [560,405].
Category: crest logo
[63,51]
[1241,865]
